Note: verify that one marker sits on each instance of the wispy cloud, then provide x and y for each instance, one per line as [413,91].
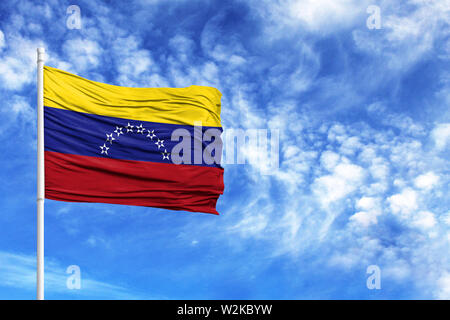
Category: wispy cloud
[19,271]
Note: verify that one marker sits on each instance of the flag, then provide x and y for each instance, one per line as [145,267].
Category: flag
[113,144]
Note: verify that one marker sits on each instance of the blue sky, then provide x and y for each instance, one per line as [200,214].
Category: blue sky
[364,123]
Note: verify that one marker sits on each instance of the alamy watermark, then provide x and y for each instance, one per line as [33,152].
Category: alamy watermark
[374,279]
[74,19]
[374,20]
[74,279]
[257,147]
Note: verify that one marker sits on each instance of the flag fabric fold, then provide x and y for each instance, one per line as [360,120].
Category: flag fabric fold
[112,144]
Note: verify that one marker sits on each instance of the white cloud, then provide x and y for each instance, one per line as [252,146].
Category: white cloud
[446,218]
[395,120]
[346,178]
[367,154]
[84,54]
[20,107]
[2,40]
[403,203]
[370,209]
[444,287]
[379,169]
[426,181]
[441,135]
[183,48]
[11,73]
[337,133]
[95,241]
[329,160]
[18,62]
[367,203]
[251,225]
[424,220]
[313,15]
[132,62]
[397,269]
[350,146]
[17,112]
[364,218]
[320,15]
[215,45]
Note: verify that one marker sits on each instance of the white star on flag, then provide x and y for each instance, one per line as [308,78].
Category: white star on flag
[140,129]
[151,134]
[110,138]
[104,149]
[160,143]
[165,154]
[118,131]
[129,127]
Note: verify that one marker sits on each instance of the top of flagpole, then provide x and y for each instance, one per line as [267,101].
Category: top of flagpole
[40,54]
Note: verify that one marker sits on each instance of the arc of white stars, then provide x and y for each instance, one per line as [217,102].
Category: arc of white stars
[139,129]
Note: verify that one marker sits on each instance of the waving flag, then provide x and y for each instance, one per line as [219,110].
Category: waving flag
[112,144]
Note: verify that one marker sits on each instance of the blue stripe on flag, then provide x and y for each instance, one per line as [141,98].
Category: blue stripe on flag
[85,134]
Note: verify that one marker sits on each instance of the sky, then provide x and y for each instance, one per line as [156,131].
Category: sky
[364,135]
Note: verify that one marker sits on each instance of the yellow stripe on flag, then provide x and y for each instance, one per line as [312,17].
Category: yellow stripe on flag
[64,90]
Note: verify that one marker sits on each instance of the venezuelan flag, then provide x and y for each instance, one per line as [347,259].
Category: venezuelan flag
[112,144]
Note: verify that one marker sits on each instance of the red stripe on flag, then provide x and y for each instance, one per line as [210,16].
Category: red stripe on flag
[78,178]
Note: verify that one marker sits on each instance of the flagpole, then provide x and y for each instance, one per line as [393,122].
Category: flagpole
[40,175]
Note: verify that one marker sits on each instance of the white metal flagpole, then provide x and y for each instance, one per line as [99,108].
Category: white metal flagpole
[40,175]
